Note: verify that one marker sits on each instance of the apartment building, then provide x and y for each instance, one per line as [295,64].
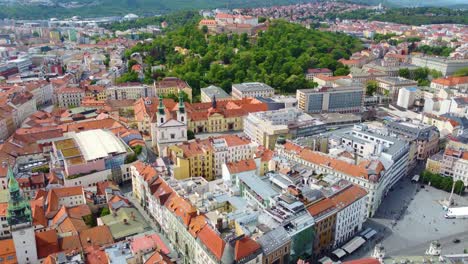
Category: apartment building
[326,99]
[132,91]
[311,73]
[425,137]
[69,97]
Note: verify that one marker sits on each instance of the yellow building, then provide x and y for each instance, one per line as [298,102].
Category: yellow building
[263,155]
[192,159]
[222,116]
[97,92]
[172,85]
[434,163]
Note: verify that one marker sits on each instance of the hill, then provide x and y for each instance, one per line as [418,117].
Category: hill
[98,8]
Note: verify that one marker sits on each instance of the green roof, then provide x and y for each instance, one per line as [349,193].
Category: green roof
[136,224]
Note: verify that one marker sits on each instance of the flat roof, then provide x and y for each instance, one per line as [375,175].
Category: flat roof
[212,90]
[98,143]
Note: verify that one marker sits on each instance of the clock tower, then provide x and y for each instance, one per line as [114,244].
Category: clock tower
[19,218]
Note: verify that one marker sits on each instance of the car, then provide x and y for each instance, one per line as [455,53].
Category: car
[456,240]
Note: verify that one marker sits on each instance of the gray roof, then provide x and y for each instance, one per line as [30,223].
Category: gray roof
[251,86]
[212,90]
[257,185]
[273,240]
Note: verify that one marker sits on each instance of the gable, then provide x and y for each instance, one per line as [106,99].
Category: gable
[172,123]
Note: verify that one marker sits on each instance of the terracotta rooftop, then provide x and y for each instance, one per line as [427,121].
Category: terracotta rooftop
[245,247]
[46,243]
[212,240]
[241,166]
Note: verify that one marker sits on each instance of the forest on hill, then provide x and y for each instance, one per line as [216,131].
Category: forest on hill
[278,56]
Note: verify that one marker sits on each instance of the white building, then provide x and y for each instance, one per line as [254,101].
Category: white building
[252,89]
[69,97]
[168,131]
[351,215]
[130,91]
[407,96]
[231,148]
[363,156]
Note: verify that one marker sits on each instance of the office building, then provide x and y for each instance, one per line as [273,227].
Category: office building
[326,99]
[252,89]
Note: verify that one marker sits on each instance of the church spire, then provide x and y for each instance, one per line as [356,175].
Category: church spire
[213,102]
[161,106]
[181,103]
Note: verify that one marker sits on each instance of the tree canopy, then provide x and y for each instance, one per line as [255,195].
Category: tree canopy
[278,56]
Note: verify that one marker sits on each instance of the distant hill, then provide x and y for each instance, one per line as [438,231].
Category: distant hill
[94,8]
[37,9]
[415,3]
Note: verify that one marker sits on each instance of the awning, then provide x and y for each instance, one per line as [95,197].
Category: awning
[370,234]
[354,244]
[365,231]
[339,253]
[325,260]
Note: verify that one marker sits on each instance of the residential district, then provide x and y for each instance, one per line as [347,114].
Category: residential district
[368,167]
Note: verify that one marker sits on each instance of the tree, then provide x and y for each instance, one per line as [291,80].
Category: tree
[105,211]
[371,87]
[405,73]
[204,29]
[90,220]
[130,76]
[190,135]
[459,187]
[461,72]
[341,72]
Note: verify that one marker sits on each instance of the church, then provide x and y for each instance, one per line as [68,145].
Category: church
[169,126]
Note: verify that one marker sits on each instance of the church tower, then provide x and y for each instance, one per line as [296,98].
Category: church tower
[181,114]
[19,218]
[161,112]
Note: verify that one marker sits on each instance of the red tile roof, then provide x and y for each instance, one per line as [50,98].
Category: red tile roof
[46,243]
[245,247]
[212,240]
[241,166]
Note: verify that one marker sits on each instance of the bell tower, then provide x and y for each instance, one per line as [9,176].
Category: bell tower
[19,218]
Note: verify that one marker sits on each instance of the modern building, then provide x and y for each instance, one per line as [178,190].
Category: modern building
[252,89]
[210,92]
[326,99]
[265,127]
[97,152]
[447,66]
[407,97]
[370,158]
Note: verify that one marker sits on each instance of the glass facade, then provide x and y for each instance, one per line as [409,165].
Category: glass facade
[345,100]
[315,103]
